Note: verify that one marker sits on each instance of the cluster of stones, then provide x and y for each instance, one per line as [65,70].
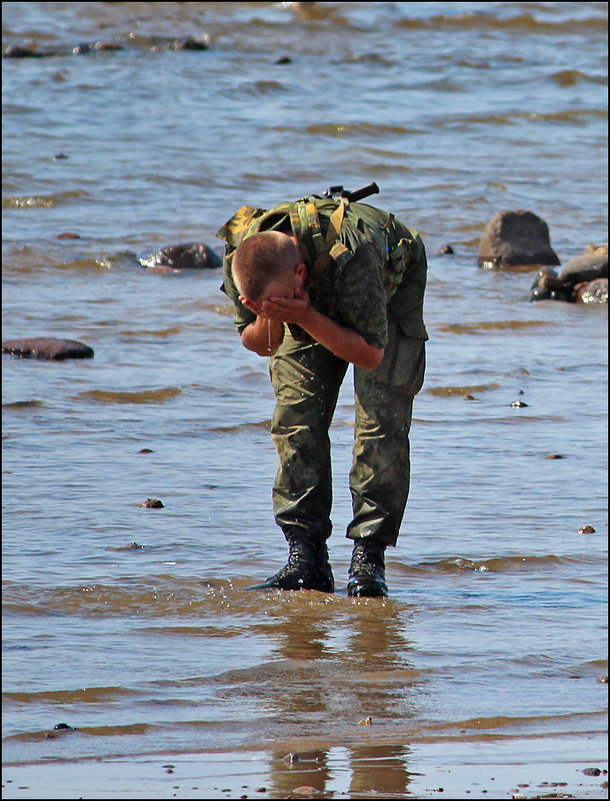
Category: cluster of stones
[19,51]
[520,239]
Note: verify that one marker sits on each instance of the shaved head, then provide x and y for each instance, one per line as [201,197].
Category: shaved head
[262,258]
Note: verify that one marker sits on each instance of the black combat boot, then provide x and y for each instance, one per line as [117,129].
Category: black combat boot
[307,568]
[367,570]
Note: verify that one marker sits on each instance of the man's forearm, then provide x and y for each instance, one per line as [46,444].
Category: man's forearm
[343,342]
[263,336]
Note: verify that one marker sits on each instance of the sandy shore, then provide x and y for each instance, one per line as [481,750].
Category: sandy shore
[557,767]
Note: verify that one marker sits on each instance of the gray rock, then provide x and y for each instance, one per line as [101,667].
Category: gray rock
[515,238]
[589,267]
[188,256]
[47,348]
[594,292]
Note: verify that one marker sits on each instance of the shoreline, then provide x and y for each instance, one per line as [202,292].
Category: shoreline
[499,768]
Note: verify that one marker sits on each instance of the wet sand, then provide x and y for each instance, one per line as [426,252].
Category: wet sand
[506,768]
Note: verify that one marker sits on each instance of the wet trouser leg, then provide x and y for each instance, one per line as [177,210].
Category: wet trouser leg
[380,474]
[306,379]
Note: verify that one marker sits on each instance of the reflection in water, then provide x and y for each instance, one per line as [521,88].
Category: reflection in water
[346,663]
[372,769]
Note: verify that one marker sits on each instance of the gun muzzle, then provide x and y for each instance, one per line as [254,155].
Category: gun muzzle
[362,192]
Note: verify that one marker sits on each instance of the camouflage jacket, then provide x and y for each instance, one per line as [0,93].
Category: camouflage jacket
[361,263]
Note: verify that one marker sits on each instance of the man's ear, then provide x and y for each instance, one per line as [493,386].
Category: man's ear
[301,271]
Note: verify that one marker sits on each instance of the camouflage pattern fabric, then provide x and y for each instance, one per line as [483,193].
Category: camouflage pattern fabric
[373,252]
[369,276]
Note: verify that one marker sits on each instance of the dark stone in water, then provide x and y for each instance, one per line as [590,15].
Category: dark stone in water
[95,47]
[188,256]
[152,503]
[15,51]
[548,286]
[47,348]
[588,267]
[63,727]
[515,238]
[445,250]
[189,44]
[593,292]
[584,279]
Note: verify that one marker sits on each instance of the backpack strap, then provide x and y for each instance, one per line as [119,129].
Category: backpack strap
[317,250]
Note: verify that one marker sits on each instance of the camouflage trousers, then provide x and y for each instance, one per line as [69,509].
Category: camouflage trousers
[306,378]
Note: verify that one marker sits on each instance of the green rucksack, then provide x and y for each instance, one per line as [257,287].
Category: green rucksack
[327,228]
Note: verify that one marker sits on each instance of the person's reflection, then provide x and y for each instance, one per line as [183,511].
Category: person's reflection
[342,664]
[381,769]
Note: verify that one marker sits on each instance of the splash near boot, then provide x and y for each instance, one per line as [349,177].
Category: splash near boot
[307,568]
[367,571]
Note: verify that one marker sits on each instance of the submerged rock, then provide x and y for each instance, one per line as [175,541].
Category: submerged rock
[587,267]
[515,238]
[152,503]
[593,292]
[189,43]
[16,51]
[188,256]
[445,250]
[47,348]
[584,279]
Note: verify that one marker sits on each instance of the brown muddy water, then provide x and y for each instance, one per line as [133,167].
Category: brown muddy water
[481,673]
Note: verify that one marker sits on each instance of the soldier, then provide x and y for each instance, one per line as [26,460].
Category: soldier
[318,284]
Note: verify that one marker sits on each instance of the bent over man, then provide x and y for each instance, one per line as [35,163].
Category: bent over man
[317,284]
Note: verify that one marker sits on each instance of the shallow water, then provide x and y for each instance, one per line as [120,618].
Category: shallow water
[495,631]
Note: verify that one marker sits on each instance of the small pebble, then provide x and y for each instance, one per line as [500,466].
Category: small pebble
[146,450]
[555,456]
[603,680]
[366,721]
[592,771]
[67,235]
[586,530]
[469,397]
[518,404]
[59,156]
[445,250]
[284,60]
[152,503]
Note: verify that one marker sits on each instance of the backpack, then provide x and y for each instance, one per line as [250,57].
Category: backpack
[328,228]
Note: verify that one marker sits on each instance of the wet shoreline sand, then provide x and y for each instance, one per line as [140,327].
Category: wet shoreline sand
[479,767]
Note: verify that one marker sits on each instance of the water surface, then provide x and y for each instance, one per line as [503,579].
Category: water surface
[488,652]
